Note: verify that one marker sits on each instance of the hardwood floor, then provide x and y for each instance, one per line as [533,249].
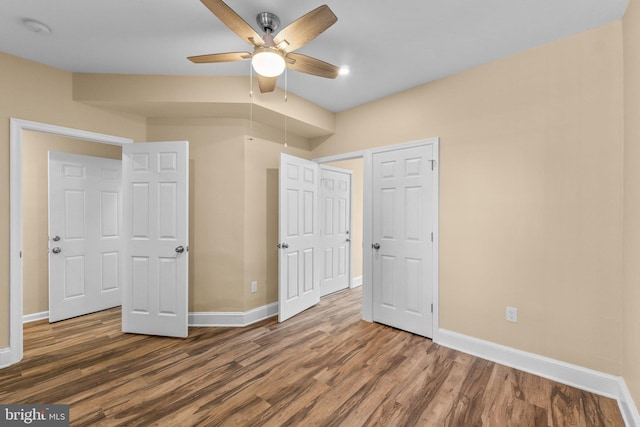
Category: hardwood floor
[324,367]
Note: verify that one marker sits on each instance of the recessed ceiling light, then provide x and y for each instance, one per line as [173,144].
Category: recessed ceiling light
[344,70]
[36,26]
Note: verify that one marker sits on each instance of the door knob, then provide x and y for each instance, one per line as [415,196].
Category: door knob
[56,250]
[376,246]
[56,238]
[180,249]
[283,245]
[348,240]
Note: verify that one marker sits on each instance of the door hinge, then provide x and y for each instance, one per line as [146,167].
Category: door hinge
[433,164]
[432,236]
[431,308]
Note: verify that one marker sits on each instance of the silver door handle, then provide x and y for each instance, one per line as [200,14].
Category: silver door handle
[376,246]
[56,250]
[283,245]
[348,240]
[56,238]
[180,249]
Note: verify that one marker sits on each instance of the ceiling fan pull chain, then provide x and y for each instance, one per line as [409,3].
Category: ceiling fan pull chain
[285,113]
[286,85]
[285,131]
[251,104]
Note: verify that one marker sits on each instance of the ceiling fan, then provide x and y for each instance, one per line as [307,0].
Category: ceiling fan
[272,53]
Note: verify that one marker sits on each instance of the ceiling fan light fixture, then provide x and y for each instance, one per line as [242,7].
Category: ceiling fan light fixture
[268,62]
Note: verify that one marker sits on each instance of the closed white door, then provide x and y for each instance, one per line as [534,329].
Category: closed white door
[298,287]
[85,227]
[403,217]
[335,229]
[156,212]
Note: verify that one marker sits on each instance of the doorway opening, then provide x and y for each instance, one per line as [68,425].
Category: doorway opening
[401,163]
[356,167]
[37,302]
[17,135]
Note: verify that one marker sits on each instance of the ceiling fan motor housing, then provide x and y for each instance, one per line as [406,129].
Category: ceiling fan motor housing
[268,21]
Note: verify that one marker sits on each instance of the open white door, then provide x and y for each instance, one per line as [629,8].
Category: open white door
[335,229]
[402,226]
[85,227]
[156,213]
[298,287]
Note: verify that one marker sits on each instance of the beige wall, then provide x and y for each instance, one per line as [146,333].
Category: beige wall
[262,161]
[39,93]
[530,193]
[232,209]
[216,203]
[36,146]
[631,278]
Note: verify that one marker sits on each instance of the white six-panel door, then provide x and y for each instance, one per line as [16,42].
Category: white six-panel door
[298,287]
[85,226]
[402,246]
[335,224]
[156,212]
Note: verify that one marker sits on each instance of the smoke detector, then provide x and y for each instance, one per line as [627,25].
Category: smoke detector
[36,26]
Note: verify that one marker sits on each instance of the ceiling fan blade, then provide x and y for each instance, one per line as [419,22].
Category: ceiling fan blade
[305,29]
[267,84]
[232,20]
[309,65]
[220,57]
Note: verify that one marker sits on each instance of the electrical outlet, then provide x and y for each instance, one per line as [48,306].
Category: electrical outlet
[512,314]
[254,287]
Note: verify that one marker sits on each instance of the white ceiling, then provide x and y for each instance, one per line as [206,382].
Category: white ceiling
[388,46]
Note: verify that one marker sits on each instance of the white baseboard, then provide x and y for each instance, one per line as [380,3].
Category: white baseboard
[238,319]
[5,357]
[35,316]
[356,281]
[627,406]
[562,372]
[203,318]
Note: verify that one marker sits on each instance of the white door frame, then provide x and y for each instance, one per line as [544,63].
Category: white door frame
[367,222]
[13,353]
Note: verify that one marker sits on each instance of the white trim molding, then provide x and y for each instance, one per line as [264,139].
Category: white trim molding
[33,317]
[566,373]
[356,281]
[233,318]
[5,357]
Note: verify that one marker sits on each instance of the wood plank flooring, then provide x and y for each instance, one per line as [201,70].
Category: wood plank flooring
[324,367]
